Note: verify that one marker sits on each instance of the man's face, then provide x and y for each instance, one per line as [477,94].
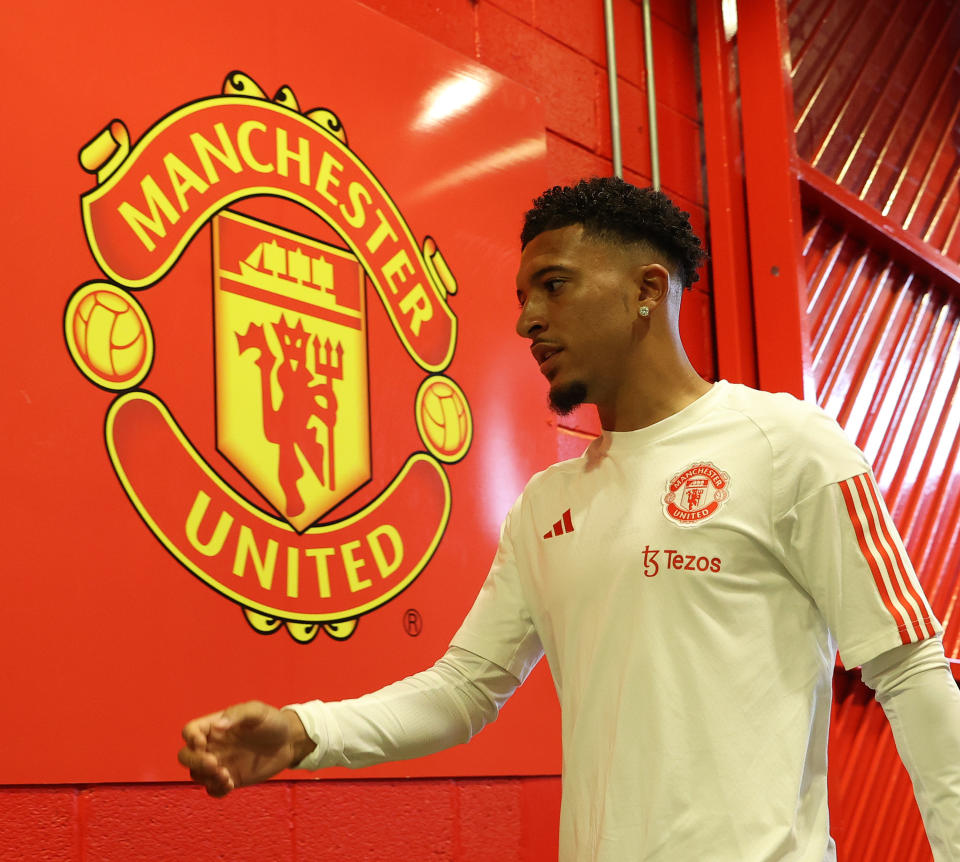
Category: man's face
[578,306]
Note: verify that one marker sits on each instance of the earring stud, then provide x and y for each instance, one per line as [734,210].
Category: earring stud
[644,311]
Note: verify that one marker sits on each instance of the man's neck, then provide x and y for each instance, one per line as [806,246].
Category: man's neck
[658,392]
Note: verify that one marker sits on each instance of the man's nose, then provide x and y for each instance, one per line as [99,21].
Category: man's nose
[532,318]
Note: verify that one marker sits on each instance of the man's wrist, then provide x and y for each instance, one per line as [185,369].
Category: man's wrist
[301,745]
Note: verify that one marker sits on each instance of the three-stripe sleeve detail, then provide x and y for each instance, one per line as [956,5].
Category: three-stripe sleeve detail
[890,570]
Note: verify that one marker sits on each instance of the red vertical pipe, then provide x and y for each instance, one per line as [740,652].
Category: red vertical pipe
[773,199]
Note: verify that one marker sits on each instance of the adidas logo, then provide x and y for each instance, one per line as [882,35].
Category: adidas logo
[564,525]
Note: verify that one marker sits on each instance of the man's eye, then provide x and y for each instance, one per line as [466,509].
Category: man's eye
[553,285]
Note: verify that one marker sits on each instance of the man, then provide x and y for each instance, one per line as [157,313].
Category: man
[725,543]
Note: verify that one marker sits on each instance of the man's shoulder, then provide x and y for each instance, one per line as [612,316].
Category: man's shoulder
[768,406]
[809,448]
[783,418]
[559,472]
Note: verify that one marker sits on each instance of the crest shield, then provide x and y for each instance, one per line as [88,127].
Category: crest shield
[291,365]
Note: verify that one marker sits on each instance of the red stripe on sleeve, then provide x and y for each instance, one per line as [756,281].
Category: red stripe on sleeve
[921,623]
[913,630]
[845,489]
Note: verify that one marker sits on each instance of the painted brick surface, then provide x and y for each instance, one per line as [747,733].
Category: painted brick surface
[567,82]
[680,149]
[676,14]
[679,140]
[628,22]
[451,22]
[463,820]
[568,162]
[376,820]
[149,823]
[540,807]
[576,24]
[675,70]
[491,820]
[38,824]
[634,138]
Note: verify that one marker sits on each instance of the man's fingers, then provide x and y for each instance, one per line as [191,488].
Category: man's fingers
[221,737]
[219,790]
[187,757]
[218,784]
[215,787]
[207,771]
[195,733]
[194,737]
[202,762]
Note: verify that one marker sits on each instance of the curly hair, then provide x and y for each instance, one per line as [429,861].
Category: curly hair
[610,208]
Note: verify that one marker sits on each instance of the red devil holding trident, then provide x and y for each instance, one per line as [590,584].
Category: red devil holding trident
[307,401]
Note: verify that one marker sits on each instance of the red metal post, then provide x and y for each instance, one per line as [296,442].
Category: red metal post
[729,256]
[773,199]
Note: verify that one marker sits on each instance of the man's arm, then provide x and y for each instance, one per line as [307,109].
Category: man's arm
[914,686]
[441,707]
[432,710]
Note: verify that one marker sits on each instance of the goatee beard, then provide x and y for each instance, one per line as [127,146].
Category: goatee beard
[565,399]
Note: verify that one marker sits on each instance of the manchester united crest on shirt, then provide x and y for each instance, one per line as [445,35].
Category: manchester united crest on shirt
[695,494]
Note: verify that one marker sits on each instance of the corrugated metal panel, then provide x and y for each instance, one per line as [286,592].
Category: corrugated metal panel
[886,358]
[876,87]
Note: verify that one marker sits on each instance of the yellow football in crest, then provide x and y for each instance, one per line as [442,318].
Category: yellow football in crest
[443,418]
[109,336]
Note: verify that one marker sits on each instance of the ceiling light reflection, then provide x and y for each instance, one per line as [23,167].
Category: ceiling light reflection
[449,98]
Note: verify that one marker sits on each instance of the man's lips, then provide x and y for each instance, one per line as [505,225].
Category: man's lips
[542,351]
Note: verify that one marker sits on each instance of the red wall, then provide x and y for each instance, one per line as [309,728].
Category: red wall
[556,48]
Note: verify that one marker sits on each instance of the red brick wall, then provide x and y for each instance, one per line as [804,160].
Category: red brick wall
[556,48]
[507,820]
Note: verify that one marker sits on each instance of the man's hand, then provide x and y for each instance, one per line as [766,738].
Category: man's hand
[242,745]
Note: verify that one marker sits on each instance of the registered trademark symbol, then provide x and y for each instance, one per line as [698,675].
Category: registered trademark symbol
[412,622]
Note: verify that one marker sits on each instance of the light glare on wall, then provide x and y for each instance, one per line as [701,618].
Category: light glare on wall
[450,97]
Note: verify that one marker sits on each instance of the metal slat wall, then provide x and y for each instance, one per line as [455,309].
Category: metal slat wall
[886,354]
[876,87]
[886,359]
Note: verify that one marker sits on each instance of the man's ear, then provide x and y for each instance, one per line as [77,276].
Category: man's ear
[653,284]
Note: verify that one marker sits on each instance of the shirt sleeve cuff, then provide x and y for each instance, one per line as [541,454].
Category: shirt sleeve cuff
[312,716]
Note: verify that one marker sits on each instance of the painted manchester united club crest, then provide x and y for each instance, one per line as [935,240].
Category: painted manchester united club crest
[291,366]
[695,494]
[290,357]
